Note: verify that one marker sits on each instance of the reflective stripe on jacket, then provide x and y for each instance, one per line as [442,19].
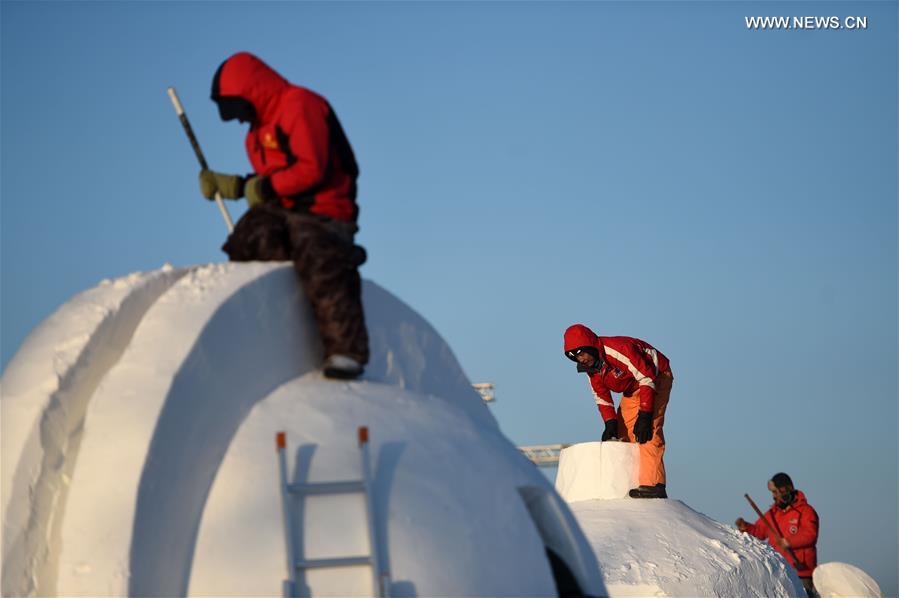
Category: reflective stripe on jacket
[630,366]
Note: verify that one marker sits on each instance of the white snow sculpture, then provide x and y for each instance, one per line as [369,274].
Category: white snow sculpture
[842,580]
[602,470]
[655,547]
[138,452]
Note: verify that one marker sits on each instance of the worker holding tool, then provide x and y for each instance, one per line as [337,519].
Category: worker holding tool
[790,526]
[643,375]
[302,198]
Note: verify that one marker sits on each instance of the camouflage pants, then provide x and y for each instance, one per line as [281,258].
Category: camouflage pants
[326,261]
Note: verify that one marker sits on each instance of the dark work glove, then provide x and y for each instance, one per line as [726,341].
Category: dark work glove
[229,185]
[259,190]
[643,427]
[611,430]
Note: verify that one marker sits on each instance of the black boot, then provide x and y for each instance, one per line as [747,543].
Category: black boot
[657,491]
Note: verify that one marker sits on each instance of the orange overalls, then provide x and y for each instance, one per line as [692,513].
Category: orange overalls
[652,468]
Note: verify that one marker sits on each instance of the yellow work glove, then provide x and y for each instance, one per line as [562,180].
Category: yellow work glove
[231,186]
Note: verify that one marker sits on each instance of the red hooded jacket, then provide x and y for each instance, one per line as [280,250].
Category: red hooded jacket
[629,366]
[798,523]
[295,139]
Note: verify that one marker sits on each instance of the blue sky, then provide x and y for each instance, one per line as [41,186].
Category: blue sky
[652,169]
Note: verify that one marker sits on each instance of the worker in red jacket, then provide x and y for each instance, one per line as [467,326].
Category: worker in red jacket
[796,524]
[643,375]
[302,198]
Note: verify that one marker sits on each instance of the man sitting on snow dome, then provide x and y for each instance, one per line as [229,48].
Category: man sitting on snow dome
[643,375]
[796,524]
[302,199]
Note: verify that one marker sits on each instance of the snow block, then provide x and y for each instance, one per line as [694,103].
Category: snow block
[591,470]
[842,580]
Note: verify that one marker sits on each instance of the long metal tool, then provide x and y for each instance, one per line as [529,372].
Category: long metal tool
[799,564]
[179,109]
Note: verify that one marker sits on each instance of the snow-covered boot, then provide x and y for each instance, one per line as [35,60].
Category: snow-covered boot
[342,367]
[657,491]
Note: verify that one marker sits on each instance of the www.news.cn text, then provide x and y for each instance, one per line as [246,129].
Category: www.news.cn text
[806,23]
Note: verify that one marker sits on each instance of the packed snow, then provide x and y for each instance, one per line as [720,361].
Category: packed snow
[46,389]
[597,470]
[842,580]
[138,457]
[654,547]
[138,451]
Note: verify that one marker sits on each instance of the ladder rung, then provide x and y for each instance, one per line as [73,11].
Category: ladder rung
[313,488]
[335,562]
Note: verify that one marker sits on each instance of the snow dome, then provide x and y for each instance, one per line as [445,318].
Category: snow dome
[842,580]
[658,547]
[138,427]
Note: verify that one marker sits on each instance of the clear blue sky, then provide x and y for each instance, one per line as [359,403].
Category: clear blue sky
[649,169]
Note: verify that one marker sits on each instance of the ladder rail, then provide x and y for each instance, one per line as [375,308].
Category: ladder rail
[380,578]
[290,491]
[290,583]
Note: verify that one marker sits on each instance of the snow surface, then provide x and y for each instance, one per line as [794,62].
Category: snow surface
[45,390]
[842,580]
[597,470]
[138,454]
[655,547]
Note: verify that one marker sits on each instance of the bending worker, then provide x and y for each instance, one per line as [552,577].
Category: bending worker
[643,375]
[302,197]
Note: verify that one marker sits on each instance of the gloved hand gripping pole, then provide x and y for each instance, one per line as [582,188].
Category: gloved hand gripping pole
[800,566]
[179,109]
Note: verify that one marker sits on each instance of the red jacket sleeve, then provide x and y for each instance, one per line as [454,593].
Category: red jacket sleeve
[633,360]
[647,396]
[305,123]
[603,399]
[757,529]
[807,535]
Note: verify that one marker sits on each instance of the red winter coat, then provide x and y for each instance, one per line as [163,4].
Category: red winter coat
[799,525]
[630,366]
[296,140]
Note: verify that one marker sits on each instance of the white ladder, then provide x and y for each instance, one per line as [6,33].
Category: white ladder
[380,578]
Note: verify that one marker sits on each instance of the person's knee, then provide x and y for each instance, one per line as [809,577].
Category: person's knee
[260,235]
